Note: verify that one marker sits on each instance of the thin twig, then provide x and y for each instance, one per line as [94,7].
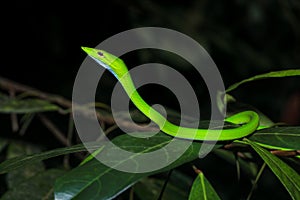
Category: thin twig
[69,140]
[70,130]
[196,170]
[238,167]
[13,116]
[256,180]
[55,131]
[238,172]
[48,194]
[165,185]
[25,122]
[17,87]
[284,153]
[9,85]
[131,194]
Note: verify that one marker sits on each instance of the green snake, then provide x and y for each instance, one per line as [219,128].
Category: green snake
[248,121]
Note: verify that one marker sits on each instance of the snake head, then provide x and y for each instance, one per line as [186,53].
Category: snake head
[114,64]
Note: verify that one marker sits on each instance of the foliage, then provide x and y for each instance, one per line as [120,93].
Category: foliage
[40,154]
[91,179]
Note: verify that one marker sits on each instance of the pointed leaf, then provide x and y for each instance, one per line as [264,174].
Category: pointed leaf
[276,74]
[202,189]
[287,176]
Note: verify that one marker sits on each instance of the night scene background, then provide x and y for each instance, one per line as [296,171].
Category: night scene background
[41,47]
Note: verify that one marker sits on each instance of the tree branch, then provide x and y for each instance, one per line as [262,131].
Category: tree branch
[10,85]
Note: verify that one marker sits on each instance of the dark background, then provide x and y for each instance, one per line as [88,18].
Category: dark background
[40,43]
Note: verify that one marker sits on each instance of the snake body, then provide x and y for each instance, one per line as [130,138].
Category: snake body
[248,121]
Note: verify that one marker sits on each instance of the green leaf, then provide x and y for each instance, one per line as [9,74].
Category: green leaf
[287,176]
[202,189]
[36,188]
[94,180]
[21,161]
[280,137]
[9,105]
[276,74]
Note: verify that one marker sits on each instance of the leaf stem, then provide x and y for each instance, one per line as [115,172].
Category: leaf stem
[256,180]
[165,185]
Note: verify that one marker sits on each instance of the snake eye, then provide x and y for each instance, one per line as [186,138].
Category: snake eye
[100,54]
